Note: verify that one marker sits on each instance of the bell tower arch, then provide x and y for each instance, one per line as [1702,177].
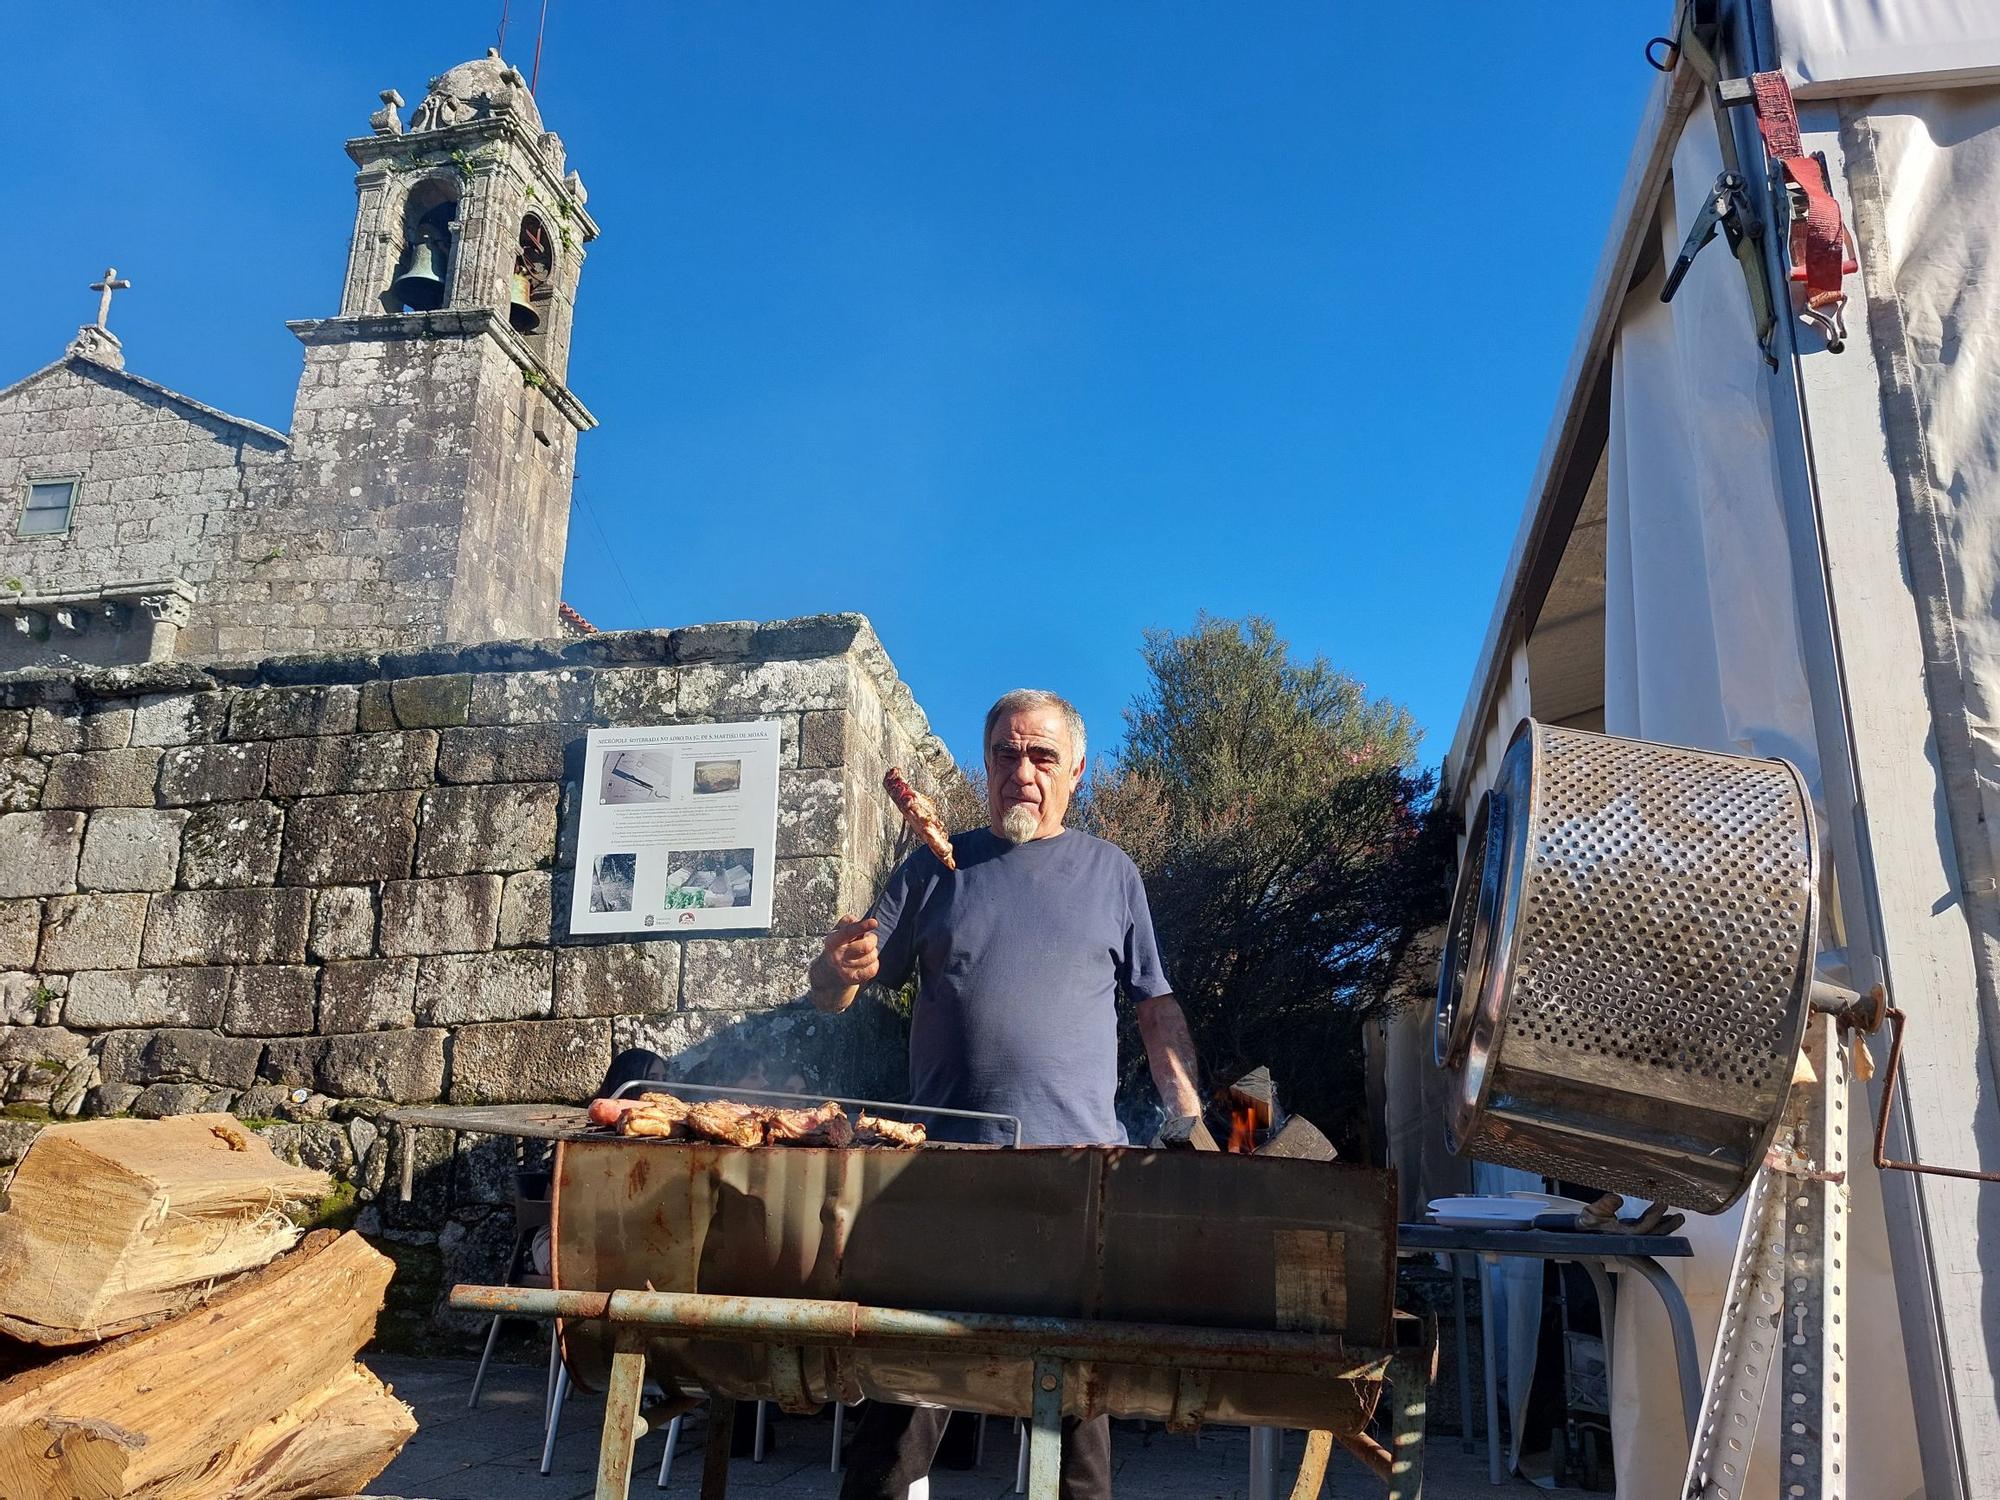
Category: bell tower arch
[434,432]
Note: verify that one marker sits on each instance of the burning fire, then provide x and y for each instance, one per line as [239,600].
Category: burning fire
[1243,1130]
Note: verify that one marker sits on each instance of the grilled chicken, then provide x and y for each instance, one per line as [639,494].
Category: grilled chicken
[720,1120]
[890,1132]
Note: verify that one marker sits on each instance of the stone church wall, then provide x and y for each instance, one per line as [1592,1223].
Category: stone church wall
[349,875]
[160,481]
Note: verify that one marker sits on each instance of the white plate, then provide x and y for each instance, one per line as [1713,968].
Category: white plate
[1484,1213]
[1551,1204]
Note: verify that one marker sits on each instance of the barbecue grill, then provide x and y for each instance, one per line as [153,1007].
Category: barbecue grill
[1181,1286]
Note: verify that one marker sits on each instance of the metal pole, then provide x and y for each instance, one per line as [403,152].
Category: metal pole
[1465,1423]
[1490,1362]
[1263,1463]
[1045,1435]
[804,1321]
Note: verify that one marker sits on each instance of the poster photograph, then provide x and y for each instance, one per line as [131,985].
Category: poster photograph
[677,829]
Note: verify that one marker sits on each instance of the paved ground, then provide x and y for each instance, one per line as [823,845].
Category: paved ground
[492,1453]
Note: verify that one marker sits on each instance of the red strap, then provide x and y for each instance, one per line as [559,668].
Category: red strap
[1821,260]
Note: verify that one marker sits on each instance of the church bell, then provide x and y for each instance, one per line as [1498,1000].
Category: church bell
[419,283]
[521,310]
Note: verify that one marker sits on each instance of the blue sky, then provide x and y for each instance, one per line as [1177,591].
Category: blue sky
[1019,327]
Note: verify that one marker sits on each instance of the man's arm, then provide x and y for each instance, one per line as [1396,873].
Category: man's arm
[849,960]
[1170,1052]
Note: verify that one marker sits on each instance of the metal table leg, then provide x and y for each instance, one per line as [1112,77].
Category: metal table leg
[1263,1463]
[1686,1358]
[1045,1432]
[715,1458]
[621,1415]
[1489,1357]
[1465,1433]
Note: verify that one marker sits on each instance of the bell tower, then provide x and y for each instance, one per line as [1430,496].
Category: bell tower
[434,431]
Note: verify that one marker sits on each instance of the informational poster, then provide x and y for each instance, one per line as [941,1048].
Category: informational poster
[678,829]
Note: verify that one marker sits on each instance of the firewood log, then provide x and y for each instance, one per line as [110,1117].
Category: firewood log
[163,1412]
[114,1224]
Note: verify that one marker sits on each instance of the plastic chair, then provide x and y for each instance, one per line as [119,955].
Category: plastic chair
[531,1212]
[756,1449]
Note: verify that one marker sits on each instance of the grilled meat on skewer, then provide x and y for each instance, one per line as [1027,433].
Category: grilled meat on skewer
[722,1120]
[921,814]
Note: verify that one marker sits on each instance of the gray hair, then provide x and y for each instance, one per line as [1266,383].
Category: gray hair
[1022,698]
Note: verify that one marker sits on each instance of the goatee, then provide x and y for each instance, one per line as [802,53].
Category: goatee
[1019,823]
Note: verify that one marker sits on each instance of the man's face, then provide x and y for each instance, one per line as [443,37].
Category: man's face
[1030,774]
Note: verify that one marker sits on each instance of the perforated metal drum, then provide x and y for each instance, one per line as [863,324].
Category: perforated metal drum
[1625,980]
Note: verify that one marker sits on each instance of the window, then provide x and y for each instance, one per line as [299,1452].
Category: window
[48,507]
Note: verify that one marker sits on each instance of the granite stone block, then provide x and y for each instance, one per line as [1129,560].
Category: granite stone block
[456,914]
[531,697]
[102,778]
[212,773]
[510,985]
[528,1062]
[368,994]
[406,1067]
[131,849]
[505,828]
[100,1000]
[227,926]
[92,932]
[270,1000]
[38,853]
[349,840]
[21,780]
[179,719]
[618,979]
[326,765]
[20,933]
[179,1055]
[519,752]
[527,909]
[229,844]
[285,712]
[343,923]
[745,973]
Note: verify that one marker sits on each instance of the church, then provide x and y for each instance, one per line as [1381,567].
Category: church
[422,494]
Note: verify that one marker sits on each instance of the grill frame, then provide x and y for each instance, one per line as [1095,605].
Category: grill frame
[1628,964]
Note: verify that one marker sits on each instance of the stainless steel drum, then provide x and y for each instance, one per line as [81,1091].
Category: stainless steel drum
[1625,979]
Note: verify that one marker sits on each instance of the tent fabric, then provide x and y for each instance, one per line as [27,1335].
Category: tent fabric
[1833,47]
[1937,154]
[1702,648]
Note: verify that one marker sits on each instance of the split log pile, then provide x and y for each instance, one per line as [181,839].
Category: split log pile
[171,1334]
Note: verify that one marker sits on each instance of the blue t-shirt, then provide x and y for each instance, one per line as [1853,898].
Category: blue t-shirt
[1020,954]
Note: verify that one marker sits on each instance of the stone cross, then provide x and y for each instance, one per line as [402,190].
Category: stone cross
[111,283]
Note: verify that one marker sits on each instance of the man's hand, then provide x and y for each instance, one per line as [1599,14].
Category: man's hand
[848,961]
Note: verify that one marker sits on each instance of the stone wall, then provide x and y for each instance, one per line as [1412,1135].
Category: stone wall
[311,887]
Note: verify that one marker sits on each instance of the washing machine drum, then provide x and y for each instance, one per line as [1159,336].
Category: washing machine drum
[1628,962]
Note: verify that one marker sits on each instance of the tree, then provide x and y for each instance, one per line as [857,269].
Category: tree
[1290,848]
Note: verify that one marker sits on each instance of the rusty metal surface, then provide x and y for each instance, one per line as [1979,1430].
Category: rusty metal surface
[1233,1244]
[1628,966]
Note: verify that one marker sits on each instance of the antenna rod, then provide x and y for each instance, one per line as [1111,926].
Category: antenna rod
[500,41]
[535,73]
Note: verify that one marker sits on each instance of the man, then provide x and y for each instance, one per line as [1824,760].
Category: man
[1020,954]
